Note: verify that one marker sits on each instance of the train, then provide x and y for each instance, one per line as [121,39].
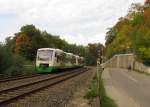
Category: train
[51,60]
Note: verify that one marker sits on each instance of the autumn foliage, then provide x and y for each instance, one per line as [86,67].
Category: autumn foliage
[23,44]
[147,2]
[26,42]
[131,34]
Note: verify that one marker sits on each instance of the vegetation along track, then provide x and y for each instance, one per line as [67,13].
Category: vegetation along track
[8,95]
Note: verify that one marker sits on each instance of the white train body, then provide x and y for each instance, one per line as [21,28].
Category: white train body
[49,60]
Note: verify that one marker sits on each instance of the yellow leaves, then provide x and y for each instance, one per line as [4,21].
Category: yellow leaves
[128,45]
[147,13]
[22,41]
[147,1]
[145,52]
[133,33]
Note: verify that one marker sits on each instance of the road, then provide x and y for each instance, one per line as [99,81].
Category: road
[127,88]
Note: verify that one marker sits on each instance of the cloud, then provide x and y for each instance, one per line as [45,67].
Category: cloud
[77,21]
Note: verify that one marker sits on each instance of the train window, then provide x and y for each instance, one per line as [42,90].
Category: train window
[55,55]
[45,55]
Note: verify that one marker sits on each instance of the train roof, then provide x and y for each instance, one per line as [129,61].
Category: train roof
[74,55]
[50,49]
[82,57]
[70,53]
[77,56]
[59,50]
[46,49]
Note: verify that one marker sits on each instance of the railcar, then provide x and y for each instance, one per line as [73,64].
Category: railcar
[50,60]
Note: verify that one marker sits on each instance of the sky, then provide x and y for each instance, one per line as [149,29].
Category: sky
[76,21]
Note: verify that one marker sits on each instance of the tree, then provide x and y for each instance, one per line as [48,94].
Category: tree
[93,52]
[147,2]
[131,34]
[5,58]
[10,44]
[110,36]
[33,37]
[23,45]
[29,39]
[30,31]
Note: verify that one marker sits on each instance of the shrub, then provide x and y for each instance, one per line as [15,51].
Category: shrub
[10,65]
[5,59]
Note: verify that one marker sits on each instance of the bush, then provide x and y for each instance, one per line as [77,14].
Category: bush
[10,65]
[17,66]
[5,59]
[144,55]
[91,92]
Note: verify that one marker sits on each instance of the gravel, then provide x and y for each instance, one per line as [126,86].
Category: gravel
[56,96]
[19,82]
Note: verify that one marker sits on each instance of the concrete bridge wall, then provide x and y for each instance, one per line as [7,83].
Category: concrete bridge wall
[125,61]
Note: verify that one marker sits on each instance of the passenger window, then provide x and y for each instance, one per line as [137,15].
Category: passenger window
[55,55]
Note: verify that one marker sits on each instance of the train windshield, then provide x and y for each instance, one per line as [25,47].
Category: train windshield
[45,55]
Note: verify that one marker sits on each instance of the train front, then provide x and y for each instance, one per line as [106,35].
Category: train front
[45,60]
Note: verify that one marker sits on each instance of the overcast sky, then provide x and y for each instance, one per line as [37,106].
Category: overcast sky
[77,21]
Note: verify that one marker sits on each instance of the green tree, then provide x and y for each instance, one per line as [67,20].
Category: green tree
[93,52]
[131,34]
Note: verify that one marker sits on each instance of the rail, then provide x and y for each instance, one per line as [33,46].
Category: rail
[8,95]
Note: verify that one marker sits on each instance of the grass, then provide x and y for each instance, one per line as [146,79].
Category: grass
[28,70]
[92,93]
[15,71]
[105,100]
[92,90]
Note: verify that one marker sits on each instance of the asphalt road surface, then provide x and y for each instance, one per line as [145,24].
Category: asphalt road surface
[127,88]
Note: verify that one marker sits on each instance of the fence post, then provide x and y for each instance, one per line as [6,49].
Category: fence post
[98,71]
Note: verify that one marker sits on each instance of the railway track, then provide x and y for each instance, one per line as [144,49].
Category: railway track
[11,94]
[17,78]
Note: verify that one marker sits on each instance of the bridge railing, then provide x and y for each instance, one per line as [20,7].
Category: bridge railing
[126,61]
